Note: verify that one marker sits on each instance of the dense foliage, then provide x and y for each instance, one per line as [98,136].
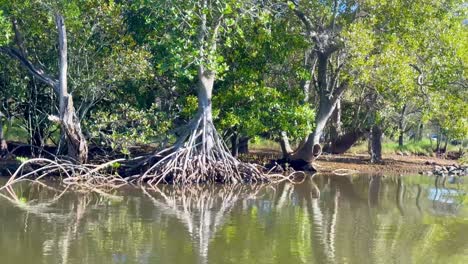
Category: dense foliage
[400,65]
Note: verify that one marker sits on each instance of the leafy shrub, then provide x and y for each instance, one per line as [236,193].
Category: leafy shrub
[127,126]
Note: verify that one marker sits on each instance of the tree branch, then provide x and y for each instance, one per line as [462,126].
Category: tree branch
[421,74]
[305,20]
[36,72]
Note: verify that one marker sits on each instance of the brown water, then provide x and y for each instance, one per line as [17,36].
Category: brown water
[323,220]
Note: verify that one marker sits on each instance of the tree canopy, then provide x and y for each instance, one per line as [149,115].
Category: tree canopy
[321,72]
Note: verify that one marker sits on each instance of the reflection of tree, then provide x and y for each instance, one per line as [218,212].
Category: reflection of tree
[399,195]
[38,200]
[201,208]
[374,190]
[322,220]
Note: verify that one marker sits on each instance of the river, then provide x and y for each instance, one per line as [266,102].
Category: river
[325,219]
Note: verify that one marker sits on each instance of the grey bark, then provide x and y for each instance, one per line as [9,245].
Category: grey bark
[446,144]
[325,42]
[205,88]
[335,126]
[285,146]
[329,94]
[77,146]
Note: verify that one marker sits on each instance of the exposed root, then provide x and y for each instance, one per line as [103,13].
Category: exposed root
[85,176]
[199,156]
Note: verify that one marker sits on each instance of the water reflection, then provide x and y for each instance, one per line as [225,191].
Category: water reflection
[325,219]
[201,209]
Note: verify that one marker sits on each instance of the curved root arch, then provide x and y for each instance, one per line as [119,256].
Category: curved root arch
[199,156]
[84,176]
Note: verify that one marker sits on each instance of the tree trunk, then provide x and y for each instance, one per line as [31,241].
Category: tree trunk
[311,148]
[419,132]
[205,88]
[327,103]
[306,89]
[235,144]
[343,143]
[401,126]
[77,146]
[400,139]
[335,127]
[375,143]
[3,143]
[244,145]
[285,146]
[446,144]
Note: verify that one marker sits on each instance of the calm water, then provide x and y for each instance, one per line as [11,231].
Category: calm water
[323,220]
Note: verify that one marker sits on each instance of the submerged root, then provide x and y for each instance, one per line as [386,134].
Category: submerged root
[199,156]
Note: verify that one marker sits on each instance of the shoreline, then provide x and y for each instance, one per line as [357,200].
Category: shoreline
[327,163]
[392,163]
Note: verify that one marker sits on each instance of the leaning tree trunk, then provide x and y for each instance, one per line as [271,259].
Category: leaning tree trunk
[311,148]
[344,142]
[375,144]
[329,93]
[446,144]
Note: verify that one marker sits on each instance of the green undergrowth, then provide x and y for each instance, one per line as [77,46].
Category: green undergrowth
[423,147]
[263,144]
[463,159]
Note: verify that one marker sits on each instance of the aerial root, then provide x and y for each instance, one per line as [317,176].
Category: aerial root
[199,156]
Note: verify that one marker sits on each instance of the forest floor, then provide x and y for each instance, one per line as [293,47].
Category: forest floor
[392,163]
